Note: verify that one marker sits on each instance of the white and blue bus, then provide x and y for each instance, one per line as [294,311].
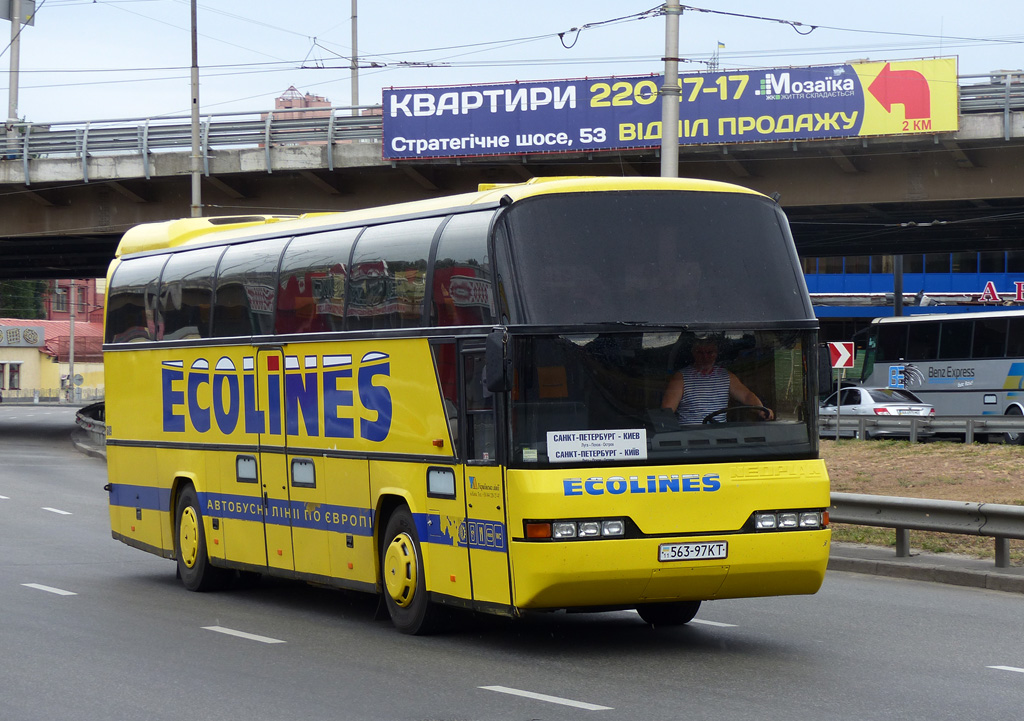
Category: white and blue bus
[962,364]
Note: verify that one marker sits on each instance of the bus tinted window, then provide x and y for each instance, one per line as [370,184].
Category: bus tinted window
[653,257]
[989,338]
[462,292]
[892,342]
[923,341]
[131,302]
[311,295]
[1015,338]
[389,271]
[186,294]
[956,339]
[244,303]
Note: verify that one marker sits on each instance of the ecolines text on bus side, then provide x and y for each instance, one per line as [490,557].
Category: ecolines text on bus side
[333,387]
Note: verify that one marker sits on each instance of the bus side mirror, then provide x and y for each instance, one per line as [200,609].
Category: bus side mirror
[825,383]
[497,362]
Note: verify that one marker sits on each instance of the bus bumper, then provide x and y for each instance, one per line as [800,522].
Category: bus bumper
[603,573]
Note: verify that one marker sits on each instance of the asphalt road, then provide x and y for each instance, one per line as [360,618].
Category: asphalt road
[92,629]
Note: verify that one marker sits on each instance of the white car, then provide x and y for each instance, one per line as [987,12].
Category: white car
[876,403]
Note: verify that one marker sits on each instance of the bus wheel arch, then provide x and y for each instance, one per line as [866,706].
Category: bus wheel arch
[403,581]
[194,567]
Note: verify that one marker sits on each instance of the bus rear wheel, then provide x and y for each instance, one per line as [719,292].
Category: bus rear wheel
[401,568]
[675,613]
[1013,439]
[194,567]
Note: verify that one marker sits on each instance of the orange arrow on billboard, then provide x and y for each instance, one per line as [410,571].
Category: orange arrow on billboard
[908,88]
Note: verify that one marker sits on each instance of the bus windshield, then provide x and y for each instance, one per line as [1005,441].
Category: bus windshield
[612,383]
[654,257]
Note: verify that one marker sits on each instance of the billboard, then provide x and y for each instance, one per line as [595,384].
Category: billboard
[624,113]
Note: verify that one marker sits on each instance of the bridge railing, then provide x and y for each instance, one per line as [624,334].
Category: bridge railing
[146,136]
[992,92]
[997,521]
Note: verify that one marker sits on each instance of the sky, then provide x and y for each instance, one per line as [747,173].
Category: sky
[126,59]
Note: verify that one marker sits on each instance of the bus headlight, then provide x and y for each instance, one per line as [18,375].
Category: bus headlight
[613,528]
[790,520]
[563,529]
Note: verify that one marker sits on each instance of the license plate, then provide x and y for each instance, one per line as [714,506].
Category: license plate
[693,551]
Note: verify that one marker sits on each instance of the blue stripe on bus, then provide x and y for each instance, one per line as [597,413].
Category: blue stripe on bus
[297,514]
[472,533]
[149,498]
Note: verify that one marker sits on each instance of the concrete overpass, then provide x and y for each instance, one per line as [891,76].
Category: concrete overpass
[70,191]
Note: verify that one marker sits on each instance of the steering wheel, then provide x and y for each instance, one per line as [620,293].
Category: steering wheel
[723,411]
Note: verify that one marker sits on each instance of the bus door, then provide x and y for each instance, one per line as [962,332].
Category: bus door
[274,470]
[486,520]
[306,473]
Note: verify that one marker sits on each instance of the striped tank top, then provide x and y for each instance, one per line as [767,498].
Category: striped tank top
[702,393]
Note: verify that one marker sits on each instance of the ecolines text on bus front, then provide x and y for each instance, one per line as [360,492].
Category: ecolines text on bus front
[333,388]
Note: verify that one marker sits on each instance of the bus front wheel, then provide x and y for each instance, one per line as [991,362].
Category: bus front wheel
[194,568]
[401,567]
[675,613]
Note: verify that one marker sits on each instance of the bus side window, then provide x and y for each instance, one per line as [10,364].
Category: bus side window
[131,303]
[186,293]
[387,284]
[447,374]
[1015,338]
[311,289]
[480,441]
[923,340]
[246,288]
[462,292]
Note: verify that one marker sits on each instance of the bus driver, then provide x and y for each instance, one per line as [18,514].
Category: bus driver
[703,387]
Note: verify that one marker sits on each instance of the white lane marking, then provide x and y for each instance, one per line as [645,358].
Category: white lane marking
[242,634]
[1007,668]
[57,510]
[545,697]
[49,589]
[5,498]
[713,623]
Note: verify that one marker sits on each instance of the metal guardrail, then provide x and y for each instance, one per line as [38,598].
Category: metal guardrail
[998,521]
[92,419]
[994,92]
[918,427]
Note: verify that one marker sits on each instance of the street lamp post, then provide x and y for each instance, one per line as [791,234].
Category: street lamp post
[670,94]
[197,165]
[355,60]
[12,93]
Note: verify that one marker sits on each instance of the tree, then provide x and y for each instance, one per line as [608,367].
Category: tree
[22,299]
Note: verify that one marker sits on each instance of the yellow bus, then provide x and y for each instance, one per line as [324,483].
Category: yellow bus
[457,402]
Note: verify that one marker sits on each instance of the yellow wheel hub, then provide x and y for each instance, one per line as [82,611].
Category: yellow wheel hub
[188,537]
[400,569]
